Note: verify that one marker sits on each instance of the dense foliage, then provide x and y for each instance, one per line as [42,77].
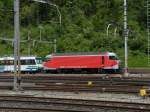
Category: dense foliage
[83,28]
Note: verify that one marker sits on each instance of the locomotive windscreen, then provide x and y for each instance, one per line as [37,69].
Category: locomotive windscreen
[113,58]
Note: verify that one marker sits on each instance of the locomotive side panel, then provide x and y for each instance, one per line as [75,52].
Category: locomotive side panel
[75,62]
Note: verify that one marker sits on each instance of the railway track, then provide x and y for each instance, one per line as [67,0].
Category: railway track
[78,84]
[139,70]
[80,89]
[79,80]
[130,70]
[70,105]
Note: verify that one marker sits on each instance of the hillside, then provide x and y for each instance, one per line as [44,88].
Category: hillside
[83,27]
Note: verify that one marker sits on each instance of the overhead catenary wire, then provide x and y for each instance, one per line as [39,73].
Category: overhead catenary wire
[24,41]
[11,40]
[7,10]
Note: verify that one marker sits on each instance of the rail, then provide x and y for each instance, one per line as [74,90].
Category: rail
[69,105]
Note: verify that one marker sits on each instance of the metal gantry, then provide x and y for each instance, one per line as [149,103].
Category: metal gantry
[60,22]
[148,30]
[47,42]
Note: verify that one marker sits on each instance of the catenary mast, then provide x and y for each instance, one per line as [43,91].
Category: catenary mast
[125,39]
[17,77]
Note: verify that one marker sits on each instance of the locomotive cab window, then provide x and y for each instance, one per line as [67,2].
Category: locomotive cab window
[39,60]
[47,59]
[113,57]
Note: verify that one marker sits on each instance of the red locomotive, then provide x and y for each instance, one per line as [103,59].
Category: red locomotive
[85,62]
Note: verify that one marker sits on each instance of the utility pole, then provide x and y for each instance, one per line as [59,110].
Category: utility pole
[17,78]
[125,39]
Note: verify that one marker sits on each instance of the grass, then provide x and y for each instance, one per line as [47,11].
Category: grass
[135,58]
[139,60]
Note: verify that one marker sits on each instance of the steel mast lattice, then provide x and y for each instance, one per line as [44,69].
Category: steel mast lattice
[148,30]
